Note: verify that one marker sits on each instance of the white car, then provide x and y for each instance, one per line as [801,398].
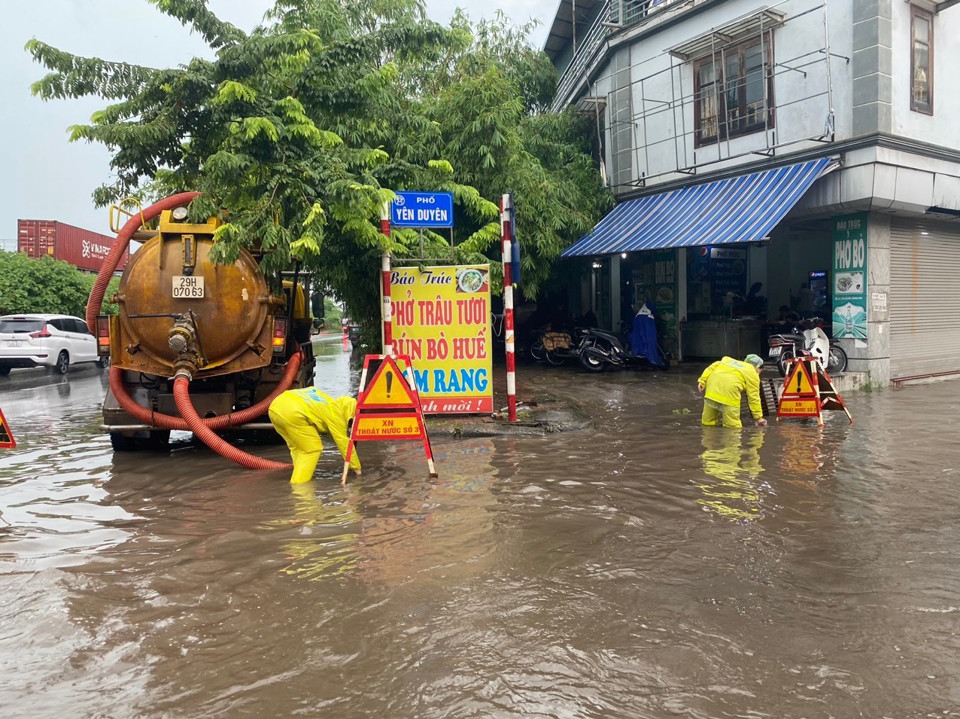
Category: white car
[54,341]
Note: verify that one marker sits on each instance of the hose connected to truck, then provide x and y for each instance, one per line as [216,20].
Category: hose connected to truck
[189,419]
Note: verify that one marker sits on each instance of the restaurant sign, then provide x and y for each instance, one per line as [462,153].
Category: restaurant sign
[441,321]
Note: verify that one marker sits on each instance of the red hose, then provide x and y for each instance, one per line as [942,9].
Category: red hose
[181,396]
[120,244]
[167,421]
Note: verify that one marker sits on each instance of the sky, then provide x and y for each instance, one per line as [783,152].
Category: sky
[46,177]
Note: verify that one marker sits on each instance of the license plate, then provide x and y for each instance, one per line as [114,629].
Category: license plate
[12,343]
[187,287]
[775,351]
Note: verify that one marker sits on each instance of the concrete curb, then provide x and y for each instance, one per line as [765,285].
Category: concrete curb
[534,419]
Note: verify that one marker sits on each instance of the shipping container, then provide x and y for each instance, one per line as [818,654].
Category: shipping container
[81,248]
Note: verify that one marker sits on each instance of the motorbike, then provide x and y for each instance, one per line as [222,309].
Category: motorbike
[807,340]
[557,347]
[639,348]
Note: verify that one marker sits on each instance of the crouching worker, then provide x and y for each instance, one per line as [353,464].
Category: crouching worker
[302,416]
[721,385]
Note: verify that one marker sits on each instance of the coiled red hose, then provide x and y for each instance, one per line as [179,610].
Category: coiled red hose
[95,301]
[181,396]
[167,421]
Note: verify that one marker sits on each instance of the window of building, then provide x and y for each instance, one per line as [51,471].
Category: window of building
[734,92]
[921,61]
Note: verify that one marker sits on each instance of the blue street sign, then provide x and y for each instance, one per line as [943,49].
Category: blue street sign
[422,209]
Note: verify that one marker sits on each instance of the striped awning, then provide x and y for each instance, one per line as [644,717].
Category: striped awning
[737,209]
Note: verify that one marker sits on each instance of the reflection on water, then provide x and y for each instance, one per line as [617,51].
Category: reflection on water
[325,545]
[731,459]
[648,567]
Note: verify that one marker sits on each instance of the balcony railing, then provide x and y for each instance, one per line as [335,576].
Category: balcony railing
[614,16]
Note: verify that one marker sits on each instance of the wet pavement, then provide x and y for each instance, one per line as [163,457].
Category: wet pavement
[640,567]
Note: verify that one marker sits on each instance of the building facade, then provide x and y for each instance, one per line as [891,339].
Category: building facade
[802,154]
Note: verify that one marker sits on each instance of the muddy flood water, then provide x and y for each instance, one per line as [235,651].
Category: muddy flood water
[647,567]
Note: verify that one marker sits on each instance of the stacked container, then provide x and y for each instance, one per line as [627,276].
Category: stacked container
[81,248]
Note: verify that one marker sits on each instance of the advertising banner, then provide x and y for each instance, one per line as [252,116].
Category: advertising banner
[850,276]
[441,321]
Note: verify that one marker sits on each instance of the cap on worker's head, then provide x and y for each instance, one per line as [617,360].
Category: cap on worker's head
[755,360]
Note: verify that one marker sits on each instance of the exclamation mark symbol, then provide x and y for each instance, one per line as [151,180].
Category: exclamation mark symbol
[389,382]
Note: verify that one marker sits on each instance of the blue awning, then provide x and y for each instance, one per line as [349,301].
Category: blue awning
[738,209]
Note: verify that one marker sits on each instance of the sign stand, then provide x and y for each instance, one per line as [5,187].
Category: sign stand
[6,436]
[808,391]
[388,408]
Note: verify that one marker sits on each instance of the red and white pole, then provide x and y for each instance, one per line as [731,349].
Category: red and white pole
[385,280]
[506,233]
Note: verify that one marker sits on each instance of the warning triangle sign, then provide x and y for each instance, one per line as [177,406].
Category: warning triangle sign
[6,436]
[830,399]
[388,389]
[799,384]
[388,408]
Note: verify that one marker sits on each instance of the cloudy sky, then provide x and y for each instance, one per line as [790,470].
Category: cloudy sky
[47,177]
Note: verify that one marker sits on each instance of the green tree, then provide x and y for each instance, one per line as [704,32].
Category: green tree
[491,105]
[45,286]
[304,127]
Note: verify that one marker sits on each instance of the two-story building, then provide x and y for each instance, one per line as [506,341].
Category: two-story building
[803,153]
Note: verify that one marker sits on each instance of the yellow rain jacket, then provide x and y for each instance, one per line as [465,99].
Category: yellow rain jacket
[725,379]
[301,416]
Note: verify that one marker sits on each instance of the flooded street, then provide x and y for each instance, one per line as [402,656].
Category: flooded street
[644,568]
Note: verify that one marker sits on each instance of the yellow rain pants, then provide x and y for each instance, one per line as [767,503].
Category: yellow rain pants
[724,381]
[301,416]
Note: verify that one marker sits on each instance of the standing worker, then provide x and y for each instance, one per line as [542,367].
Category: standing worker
[722,383]
[301,416]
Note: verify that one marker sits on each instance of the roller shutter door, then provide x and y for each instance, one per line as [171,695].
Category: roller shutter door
[924,299]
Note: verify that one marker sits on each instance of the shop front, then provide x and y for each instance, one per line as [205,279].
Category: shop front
[715,262]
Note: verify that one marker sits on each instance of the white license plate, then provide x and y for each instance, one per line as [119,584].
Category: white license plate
[775,351]
[187,287]
[12,343]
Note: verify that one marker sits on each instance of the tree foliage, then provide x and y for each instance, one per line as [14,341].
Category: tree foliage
[303,128]
[46,286]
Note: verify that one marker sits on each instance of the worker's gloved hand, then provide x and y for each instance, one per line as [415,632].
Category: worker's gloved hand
[762,422]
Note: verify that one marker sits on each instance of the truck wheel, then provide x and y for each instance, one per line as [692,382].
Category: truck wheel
[158,441]
[123,443]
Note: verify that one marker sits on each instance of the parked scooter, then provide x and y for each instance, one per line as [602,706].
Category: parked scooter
[558,347]
[639,349]
[806,342]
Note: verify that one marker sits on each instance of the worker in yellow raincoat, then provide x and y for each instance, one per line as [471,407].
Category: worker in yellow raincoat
[301,416]
[722,384]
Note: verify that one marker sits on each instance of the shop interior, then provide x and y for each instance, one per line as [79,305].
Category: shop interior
[716,300]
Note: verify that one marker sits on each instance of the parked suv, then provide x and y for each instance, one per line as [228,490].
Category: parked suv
[53,341]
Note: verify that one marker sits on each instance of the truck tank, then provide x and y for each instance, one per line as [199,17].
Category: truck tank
[218,324]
